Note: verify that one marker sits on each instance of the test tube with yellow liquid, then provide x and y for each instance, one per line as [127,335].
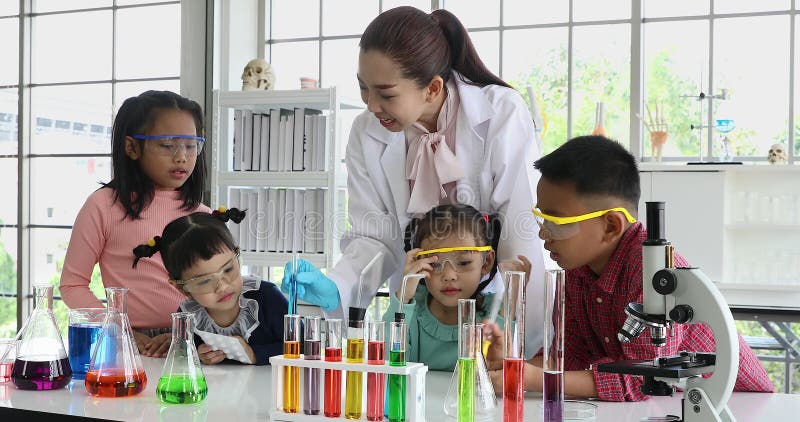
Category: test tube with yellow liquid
[355,354]
[291,374]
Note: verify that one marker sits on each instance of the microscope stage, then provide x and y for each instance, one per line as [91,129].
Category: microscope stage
[683,366]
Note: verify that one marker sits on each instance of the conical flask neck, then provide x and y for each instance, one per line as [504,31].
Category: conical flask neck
[43,298]
[117,299]
[183,326]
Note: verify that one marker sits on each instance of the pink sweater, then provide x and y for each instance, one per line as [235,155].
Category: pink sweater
[101,234]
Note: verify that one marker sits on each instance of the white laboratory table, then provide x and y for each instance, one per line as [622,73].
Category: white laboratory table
[242,393]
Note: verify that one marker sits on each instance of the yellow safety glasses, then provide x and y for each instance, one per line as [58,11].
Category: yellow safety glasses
[462,259]
[560,228]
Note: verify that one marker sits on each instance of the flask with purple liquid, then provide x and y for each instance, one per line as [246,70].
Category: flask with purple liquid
[41,362]
[553,362]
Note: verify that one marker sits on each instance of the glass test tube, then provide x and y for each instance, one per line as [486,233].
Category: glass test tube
[513,345]
[397,383]
[355,354]
[333,377]
[312,376]
[466,360]
[376,346]
[291,374]
[553,362]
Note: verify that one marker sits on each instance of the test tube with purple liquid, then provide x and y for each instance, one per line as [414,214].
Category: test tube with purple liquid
[553,368]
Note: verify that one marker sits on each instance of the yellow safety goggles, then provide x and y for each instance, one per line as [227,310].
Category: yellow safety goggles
[560,228]
[462,258]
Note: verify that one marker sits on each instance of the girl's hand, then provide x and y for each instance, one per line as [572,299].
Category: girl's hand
[415,266]
[209,356]
[158,346]
[247,349]
[523,265]
[494,357]
[142,340]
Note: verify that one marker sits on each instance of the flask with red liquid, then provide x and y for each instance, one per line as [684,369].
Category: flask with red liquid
[116,369]
[41,362]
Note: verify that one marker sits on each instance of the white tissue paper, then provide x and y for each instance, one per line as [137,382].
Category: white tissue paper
[229,345]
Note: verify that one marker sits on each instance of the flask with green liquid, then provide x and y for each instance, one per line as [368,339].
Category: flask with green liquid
[182,380]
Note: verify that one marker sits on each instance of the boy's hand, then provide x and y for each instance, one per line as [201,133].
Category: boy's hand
[209,356]
[158,346]
[141,341]
[414,266]
[247,349]
[523,265]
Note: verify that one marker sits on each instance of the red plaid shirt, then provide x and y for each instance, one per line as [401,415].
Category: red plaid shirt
[595,310]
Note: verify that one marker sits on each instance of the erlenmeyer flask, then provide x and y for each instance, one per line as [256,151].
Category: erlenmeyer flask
[485,399]
[182,380]
[116,369]
[41,362]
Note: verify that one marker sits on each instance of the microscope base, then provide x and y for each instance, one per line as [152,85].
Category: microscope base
[697,407]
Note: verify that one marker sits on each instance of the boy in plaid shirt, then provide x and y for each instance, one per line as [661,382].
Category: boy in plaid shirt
[596,180]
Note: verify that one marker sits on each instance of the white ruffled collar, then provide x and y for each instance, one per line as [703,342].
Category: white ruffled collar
[246,321]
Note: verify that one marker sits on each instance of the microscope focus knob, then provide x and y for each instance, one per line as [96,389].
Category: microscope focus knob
[681,314]
[665,281]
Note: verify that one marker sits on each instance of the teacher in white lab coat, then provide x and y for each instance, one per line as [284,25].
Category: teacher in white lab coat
[439,128]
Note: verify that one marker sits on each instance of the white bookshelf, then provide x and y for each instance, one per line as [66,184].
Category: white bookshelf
[332,180]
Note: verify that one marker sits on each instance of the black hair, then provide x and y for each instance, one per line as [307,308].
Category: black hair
[132,188]
[596,165]
[444,220]
[185,240]
[426,45]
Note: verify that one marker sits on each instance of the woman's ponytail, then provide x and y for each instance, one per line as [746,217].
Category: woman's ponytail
[464,59]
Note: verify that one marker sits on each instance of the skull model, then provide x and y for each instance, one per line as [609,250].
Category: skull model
[257,75]
[777,154]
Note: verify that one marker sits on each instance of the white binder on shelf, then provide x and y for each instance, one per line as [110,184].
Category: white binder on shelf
[238,134]
[256,162]
[264,141]
[299,213]
[288,144]
[250,223]
[247,136]
[261,221]
[233,202]
[300,137]
[272,219]
[321,142]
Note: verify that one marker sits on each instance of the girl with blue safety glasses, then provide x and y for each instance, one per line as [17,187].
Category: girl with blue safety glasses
[158,175]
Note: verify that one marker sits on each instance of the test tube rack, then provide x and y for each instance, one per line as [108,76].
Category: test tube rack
[415,387]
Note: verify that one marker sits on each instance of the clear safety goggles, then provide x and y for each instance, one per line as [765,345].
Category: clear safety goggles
[462,259]
[208,283]
[169,145]
[560,228]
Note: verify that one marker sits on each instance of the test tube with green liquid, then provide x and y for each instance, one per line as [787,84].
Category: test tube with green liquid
[397,357]
[467,360]
[355,354]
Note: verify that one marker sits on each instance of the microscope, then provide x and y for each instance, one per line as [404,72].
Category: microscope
[680,296]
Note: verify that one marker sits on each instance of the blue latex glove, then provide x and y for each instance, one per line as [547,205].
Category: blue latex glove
[312,286]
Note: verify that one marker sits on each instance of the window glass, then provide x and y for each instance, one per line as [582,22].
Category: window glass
[742,6]
[294,19]
[9,66]
[527,12]
[675,72]
[541,65]
[79,54]
[71,119]
[9,8]
[148,53]
[593,10]
[661,8]
[8,191]
[424,5]
[339,67]
[487,44]
[347,17]
[51,204]
[602,74]
[51,246]
[759,100]
[40,6]
[8,122]
[475,13]
[293,60]
[125,90]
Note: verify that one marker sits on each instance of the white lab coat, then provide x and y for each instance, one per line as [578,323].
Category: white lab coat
[495,143]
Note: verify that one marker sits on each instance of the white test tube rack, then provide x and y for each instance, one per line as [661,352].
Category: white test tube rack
[415,388]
